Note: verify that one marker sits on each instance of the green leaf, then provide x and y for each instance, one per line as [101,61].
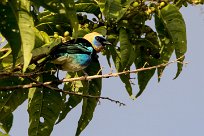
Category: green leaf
[53,15]
[72,16]
[113,38]
[125,78]
[26,27]
[7,62]
[10,100]
[52,5]
[88,7]
[2,39]
[6,123]
[101,4]
[144,59]
[89,104]
[2,134]
[9,29]
[73,100]
[113,10]
[44,106]
[179,3]
[41,38]
[102,30]
[125,7]
[176,28]
[45,49]
[126,50]
[167,46]
[51,18]
[6,54]
[110,9]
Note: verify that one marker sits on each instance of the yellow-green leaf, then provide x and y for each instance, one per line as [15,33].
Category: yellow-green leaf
[26,26]
[2,134]
[8,52]
[102,30]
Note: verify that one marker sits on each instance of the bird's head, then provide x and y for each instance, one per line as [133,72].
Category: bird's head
[97,40]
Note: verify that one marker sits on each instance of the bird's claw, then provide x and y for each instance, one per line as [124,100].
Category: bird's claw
[86,75]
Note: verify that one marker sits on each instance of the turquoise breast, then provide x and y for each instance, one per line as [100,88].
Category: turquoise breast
[73,62]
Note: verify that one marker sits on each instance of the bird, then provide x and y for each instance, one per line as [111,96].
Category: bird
[75,55]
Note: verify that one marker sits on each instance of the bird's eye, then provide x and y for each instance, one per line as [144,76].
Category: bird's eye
[100,38]
[97,38]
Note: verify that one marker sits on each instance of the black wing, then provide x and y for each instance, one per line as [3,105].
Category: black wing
[78,46]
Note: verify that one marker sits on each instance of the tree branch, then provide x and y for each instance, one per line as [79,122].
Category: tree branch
[49,83]
[4,88]
[5,49]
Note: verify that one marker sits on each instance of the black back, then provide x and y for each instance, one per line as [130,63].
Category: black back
[78,46]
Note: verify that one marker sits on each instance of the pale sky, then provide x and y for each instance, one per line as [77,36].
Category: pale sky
[170,108]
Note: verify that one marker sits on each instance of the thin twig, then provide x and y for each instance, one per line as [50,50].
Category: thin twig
[77,94]
[4,49]
[6,74]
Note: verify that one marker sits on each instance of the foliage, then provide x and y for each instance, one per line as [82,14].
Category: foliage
[32,27]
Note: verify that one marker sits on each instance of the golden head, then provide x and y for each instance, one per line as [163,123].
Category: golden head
[97,40]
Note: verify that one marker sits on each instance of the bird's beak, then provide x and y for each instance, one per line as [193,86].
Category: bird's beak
[105,42]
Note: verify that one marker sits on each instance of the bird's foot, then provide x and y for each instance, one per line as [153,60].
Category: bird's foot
[86,75]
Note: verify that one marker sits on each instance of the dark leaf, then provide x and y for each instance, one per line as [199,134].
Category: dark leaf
[175,26]
[125,78]
[113,10]
[110,9]
[126,50]
[6,123]
[89,104]
[167,46]
[52,5]
[144,59]
[9,29]
[89,7]
[73,100]
[10,100]
[44,106]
